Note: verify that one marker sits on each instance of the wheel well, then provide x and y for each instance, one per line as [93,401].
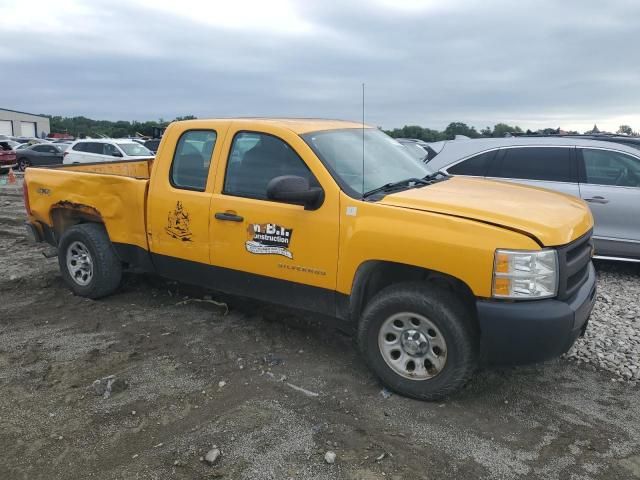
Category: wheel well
[64,217]
[374,276]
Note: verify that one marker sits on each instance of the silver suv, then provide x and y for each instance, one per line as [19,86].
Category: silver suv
[604,174]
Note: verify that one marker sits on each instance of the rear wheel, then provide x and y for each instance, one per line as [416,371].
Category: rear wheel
[23,163]
[88,262]
[419,340]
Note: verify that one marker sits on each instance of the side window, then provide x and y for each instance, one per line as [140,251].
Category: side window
[79,147]
[605,167]
[41,148]
[475,166]
[537,163]
[109,149]
[93,147]
[190,165]
[257,158]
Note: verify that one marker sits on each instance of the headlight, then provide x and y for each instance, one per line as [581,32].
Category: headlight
[522,274]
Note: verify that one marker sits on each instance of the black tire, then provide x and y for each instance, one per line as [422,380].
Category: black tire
[23,163]
[444,310]
[106,268]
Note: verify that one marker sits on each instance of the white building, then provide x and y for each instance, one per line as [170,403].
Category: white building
[21,124]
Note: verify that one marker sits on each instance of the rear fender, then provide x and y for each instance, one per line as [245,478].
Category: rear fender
[65,214]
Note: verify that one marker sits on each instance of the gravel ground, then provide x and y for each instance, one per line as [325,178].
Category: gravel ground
[275,391]
[612,341]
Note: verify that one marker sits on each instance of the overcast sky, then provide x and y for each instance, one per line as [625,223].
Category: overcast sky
[531,63]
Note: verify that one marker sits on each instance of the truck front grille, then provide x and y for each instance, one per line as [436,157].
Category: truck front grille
[573,262]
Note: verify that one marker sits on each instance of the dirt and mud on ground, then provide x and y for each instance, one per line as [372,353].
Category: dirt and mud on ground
[272,390]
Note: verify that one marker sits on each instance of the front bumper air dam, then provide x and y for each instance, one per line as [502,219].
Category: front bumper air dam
[536,330]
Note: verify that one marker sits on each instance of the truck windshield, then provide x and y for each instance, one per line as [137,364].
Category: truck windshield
[385,160]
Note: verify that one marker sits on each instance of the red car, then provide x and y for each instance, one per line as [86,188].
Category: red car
[7,157]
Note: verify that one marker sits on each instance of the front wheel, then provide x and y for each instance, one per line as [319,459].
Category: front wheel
[419,340]
[23,163]
[88,262]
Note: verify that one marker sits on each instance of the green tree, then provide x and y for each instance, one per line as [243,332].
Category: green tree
[625,130]
[486,131]
[82,126]
[459,128]
[501,129]
[415,131]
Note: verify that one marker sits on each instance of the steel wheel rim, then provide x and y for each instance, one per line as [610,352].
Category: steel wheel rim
[79,263]
[412,346]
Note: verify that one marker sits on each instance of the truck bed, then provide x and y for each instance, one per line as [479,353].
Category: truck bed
[128,168]
[113,193]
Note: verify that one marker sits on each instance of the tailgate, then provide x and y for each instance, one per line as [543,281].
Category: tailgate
[7,156]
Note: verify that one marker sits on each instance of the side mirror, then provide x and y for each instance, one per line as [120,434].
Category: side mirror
[294,189]
[116,154]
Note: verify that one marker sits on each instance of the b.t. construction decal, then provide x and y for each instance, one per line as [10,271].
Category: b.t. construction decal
[178,224]
[269,239]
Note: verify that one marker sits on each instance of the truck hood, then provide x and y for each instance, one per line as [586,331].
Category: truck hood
[552,218]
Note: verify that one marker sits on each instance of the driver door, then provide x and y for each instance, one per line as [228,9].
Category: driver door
[275,251]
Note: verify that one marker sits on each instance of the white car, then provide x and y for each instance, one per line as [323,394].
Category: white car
[105,150]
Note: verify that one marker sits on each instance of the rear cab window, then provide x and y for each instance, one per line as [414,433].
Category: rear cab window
[192,159]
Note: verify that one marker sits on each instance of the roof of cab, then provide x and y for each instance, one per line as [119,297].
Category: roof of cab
[297,125]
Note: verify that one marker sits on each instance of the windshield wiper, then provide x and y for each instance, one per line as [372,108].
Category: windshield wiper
[409,182]
[435,176]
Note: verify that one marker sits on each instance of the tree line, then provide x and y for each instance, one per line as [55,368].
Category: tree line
[459,128]
[498,130]
[81,127]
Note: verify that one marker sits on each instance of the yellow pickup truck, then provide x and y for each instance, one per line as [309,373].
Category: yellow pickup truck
[437,274]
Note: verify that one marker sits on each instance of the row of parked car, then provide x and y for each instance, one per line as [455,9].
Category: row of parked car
[37,152]
[602,170]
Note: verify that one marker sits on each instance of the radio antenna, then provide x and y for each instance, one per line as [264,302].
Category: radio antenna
[363,140]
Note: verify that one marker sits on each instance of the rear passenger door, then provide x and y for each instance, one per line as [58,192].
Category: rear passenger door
[179,202]
[610,183]
[546,167]
[94,152]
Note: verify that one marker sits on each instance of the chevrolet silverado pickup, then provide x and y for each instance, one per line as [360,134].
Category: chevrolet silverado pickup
[436,274]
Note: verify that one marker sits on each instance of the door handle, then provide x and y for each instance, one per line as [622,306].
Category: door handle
[228,217]
[597,199]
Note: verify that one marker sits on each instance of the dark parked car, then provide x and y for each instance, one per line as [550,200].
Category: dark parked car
[7,156]
[152,144]
[40,154]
